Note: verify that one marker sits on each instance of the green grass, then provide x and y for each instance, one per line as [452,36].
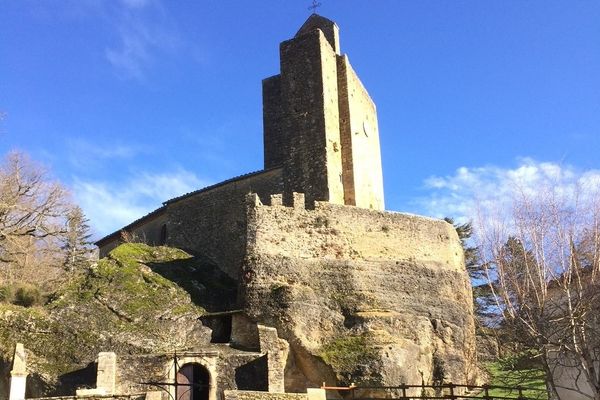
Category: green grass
[530,378]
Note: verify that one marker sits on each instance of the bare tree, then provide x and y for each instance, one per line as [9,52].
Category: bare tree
[33,210]
[543,264]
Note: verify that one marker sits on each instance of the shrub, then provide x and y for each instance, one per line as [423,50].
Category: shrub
[27,296]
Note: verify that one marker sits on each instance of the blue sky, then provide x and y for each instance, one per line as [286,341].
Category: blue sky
[133,102]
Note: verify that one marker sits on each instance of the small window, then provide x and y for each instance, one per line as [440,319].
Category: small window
[163,235]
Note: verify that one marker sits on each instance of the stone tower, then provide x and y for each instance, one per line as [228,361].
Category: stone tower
[320,124]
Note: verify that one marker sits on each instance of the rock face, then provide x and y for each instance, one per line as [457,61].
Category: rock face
[361,296]
[121,304]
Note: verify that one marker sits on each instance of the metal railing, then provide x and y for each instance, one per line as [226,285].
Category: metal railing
[447,391]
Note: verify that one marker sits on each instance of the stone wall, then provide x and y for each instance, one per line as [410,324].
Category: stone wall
[277,352]
[213,222]
[394,285]
[328,27]
[351,233]
[244,332]
[133,372]
[141,396]
[276,133]
[249,395]
[229,369]
[363,178]
[309,93]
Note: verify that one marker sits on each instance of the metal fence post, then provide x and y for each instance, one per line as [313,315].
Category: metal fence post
[486,392]
[451,386]
[403,387]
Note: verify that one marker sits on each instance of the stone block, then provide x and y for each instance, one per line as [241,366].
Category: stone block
[276,350]
[18,374]
[315,394]
[276,200]
[244,332]
[19,367]
[91,392]
[154,395]
[107,372]
[298,201]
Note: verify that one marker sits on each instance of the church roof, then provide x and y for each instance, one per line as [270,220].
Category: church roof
[132,225]
[216,185]
[315,21]
[159,211]
[327,26]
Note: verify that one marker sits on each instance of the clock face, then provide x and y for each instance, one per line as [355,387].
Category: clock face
[366,128]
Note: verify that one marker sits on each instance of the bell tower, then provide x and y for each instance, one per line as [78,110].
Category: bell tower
[320,124]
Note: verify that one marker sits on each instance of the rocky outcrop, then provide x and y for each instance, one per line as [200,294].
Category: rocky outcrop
[122,304]
[361,296]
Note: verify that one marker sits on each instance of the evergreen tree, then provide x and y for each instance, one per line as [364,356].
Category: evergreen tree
[483,300]
[77,244]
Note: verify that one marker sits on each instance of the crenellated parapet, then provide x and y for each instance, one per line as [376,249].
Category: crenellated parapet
[348,232]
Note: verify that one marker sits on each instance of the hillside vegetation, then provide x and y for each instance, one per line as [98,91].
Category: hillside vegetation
[129,302]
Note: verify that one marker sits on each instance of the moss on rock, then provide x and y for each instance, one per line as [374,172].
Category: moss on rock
[119,304]
[350,356]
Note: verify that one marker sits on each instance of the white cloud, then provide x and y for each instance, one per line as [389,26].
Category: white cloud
[84,154]
[110,206]
[131,56]
[470,193]
[141,32]
[144,30]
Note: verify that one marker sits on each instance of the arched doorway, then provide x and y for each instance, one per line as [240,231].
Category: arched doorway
[193,382]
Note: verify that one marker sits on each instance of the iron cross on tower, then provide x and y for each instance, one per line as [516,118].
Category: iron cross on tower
[315,5]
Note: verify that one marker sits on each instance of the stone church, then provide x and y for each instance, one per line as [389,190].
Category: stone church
[329,286]
[321,140]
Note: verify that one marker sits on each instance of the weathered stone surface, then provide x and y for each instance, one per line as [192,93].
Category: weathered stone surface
[19,363]
[106,371]
[310,103]
[359,133]
[365,296]
[277,352]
